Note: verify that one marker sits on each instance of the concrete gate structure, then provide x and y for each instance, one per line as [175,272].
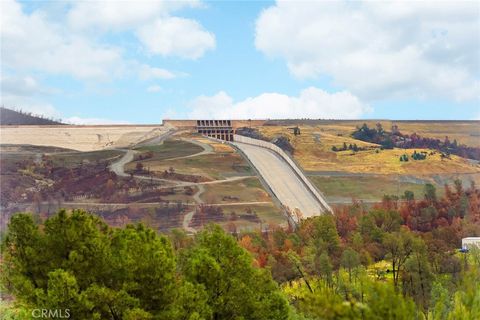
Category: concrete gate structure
[220,129]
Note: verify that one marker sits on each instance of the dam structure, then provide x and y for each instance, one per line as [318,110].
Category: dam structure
[219,129]
[278,169]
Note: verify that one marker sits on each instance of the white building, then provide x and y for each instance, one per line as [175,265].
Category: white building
[469,242]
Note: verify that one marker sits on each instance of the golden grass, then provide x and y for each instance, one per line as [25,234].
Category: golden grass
[220,147]
[313,150]
[466,132]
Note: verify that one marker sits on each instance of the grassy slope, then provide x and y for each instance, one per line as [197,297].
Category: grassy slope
[247,190]
[365,188]
[214,166]
[74,159]
[172,149]
[313,151]
[268,214]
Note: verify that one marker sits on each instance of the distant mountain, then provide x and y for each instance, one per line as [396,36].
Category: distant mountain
[12,117]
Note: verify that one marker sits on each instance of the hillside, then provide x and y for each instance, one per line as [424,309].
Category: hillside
[314,151]
[12,117]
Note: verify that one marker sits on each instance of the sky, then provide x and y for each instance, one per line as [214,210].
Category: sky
[91,62]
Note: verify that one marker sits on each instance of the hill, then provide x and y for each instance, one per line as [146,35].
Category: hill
[12,117]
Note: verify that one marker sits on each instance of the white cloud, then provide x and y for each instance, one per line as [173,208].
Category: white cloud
[31,42]
[29,104]
[152,23]
[21,86]
[72,45]
[26,93]
[121,15]
[147,72]
[311,103]
[379,49]
[154,88]
[173,36]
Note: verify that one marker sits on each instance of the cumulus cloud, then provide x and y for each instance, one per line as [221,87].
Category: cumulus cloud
[20,86]
[71,45]
[311,103]
[29,104]
[151,21]
[121,15]
[378,49]
[27,94]
[31,42]
[176,36]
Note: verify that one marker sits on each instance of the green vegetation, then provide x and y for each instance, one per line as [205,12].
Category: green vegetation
[363,187]
[397,260]
[249,189]
[250,217]
[225,165]
[65,158]
[419,155]
[73,159]
[76,262]
[171,149]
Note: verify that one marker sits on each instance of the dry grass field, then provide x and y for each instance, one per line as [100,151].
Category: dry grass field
[268,215]
[247,190]
[374,187]
[466,132]
[213,166]
[218,147]
[313,150]
[171,149]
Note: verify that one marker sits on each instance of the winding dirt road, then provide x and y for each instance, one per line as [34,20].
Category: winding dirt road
[118,167]
[187,219]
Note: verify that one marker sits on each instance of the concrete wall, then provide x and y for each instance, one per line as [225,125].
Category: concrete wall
[81,138]
[191,124]
[298,171]
[247,123]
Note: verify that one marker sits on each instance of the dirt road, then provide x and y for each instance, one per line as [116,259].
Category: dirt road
[187,219]
[119,166]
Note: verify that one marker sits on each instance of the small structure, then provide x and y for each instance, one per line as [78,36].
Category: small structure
[470,242]
[296,130]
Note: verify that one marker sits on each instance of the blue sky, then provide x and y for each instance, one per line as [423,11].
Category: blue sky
[99,62]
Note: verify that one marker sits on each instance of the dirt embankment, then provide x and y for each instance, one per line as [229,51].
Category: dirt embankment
[81,138]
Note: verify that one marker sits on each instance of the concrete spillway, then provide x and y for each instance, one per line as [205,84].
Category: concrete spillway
[282,180]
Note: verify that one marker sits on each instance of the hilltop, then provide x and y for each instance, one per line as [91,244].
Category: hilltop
[13,117]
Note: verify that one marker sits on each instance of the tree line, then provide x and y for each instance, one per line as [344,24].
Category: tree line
[389,140]
[75,261]
[396,260]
